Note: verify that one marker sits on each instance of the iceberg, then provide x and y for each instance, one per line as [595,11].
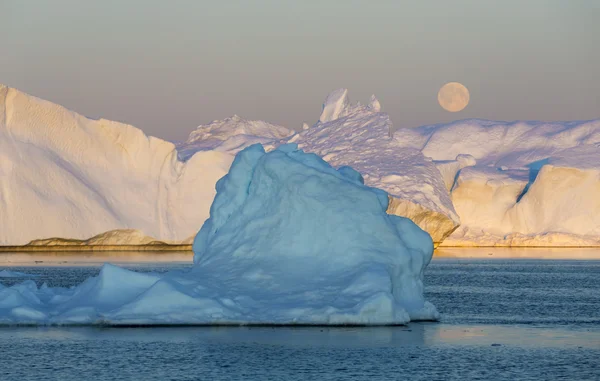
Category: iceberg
[523,183]
[363,138]
[64,175]
[290,240]
[467,183]
[65,178]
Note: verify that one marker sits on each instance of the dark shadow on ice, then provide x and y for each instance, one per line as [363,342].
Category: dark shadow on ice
[534,169]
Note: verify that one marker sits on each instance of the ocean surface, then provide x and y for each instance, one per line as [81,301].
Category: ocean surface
[506,314]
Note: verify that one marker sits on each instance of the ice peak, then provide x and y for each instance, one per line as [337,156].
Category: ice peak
[335,105]
[3,92]
[374,104]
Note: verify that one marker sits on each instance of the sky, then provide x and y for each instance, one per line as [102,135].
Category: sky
[169,66]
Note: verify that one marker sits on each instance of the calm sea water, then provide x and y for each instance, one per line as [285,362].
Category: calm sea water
[519,319]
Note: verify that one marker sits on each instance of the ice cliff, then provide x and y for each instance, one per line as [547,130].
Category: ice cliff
[64,175]
[290,240]
[526,183]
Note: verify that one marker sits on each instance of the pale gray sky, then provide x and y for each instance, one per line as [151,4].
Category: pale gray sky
[167,66]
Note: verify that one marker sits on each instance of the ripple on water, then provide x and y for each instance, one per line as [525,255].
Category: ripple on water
[519,319]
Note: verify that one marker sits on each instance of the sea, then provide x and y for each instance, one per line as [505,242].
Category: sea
[507,314]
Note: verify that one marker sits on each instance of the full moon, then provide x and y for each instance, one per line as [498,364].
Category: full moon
[453,97]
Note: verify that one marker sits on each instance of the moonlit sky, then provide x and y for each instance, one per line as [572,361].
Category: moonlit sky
[168,66]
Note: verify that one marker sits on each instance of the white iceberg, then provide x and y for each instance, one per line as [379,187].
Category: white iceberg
[505,183]
[290,240]
[64,175]
[65,178]
[525,184]
[363,137]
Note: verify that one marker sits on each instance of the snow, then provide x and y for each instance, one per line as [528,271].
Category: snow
[513,144]
[290,240]
[231,135]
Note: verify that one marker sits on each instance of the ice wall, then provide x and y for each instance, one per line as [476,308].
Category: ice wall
[529,183]
[64,175]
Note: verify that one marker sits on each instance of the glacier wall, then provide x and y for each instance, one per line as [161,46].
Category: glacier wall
[64,175]
[529,183]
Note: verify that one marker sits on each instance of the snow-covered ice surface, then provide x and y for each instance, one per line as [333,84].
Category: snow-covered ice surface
[63,175]
[290,240]
[231,135]
[529,183]
[362,137]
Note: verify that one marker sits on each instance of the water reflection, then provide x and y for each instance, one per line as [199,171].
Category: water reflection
[512,335]
[519,252]
[415,334]
[90,258]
